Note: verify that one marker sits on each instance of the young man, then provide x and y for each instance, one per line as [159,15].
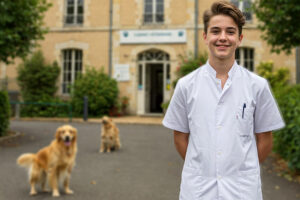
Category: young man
[222,116]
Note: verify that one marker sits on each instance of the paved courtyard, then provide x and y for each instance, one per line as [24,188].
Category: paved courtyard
[146,168]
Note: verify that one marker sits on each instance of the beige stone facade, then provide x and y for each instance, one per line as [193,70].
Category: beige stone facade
[92,38]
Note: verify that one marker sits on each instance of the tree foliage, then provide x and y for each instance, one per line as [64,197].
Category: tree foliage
[279,23]
[21,24]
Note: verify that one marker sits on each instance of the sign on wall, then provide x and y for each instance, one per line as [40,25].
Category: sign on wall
[152,36]
[121,72]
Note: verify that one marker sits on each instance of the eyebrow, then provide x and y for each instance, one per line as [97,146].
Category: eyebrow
[228,28]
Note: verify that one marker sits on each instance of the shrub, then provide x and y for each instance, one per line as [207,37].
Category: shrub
[101,90]
[278,78]
[37,81]
[4,112]
[287,140]
[189,63]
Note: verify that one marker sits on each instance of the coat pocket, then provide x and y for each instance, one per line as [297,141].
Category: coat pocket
[191,184]
[244,119]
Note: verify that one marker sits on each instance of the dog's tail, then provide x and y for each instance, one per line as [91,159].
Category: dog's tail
[26,160]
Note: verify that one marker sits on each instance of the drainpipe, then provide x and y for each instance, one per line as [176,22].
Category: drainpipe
[110,38]
[196,29]
[298,65]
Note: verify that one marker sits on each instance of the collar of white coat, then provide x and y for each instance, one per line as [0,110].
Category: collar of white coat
[211,71]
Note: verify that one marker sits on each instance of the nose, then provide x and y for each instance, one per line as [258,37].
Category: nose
[67,139]
[223,36]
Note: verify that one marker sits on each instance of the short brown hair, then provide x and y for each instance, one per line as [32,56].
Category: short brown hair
[224,8]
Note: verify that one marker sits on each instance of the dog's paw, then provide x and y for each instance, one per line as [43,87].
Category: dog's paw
[32,193]
[69,191]
[55,194]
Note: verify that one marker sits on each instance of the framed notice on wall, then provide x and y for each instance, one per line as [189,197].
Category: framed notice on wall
[121,72]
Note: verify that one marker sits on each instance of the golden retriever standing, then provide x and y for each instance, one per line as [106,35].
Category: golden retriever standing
[52,161]
[109,135]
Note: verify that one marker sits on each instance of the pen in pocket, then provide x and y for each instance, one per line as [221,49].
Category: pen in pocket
[244,106]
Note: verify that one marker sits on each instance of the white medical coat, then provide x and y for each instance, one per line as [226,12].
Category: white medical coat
[221,160]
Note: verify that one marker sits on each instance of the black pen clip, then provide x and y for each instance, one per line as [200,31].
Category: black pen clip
[244,106]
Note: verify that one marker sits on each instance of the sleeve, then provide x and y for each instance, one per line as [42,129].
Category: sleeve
[176,115]
[267,116]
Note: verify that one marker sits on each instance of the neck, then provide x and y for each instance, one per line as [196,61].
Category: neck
[222,67]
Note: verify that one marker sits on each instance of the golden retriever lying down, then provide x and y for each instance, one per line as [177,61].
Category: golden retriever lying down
[53,161]
[109,135]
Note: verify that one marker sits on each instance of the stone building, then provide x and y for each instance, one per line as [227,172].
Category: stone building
[139,43]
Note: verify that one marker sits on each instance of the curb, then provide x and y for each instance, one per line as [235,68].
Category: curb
[5,138]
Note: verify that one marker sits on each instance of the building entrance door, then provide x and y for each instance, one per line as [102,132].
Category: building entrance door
[154,88]
[153,79]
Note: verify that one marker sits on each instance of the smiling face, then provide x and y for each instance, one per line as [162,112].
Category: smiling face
[222,37]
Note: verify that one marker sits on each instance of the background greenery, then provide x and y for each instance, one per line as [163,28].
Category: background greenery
[37,81]
[4,112]
[286,140]
[21,24]
[101,90]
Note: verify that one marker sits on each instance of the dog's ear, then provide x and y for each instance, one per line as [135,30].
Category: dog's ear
[75,133]
[57,134]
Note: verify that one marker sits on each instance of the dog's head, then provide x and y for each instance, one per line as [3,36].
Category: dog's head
[106,121]
[66,134]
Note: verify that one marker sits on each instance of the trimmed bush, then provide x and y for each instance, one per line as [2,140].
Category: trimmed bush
[37,81]
[4,113]
[101,90]
[287,140]
[277,78]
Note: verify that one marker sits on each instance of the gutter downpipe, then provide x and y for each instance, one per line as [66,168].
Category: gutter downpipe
[110,38]
[196,29]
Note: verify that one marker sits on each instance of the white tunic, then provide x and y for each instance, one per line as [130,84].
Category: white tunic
[221,160]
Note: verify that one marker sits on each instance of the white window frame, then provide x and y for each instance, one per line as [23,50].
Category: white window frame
[79,63]
[242,60]
[75,14]
[241,7]
[154,12]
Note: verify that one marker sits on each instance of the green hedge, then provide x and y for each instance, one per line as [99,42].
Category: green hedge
[101,90]
[37,81]
[4,112]
[287,140]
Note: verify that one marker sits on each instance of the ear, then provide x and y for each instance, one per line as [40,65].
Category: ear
[240,39]
[57,134]
[75,133]
[204,37]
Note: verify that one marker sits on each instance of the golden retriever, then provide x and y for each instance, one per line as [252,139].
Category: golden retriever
[52,161]
[109,135]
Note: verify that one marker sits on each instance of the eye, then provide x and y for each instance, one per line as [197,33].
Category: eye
[214,32]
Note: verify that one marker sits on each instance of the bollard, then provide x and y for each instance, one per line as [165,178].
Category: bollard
[85,108]
[17,111]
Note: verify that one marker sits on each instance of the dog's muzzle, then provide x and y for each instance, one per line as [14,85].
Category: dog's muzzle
[67,141]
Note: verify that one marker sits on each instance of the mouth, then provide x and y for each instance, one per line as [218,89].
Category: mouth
[67,141]
[221,47]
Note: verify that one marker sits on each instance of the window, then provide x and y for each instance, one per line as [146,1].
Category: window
[72,67]
[153,11]
[245,7]
[245,57]
[74,12]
